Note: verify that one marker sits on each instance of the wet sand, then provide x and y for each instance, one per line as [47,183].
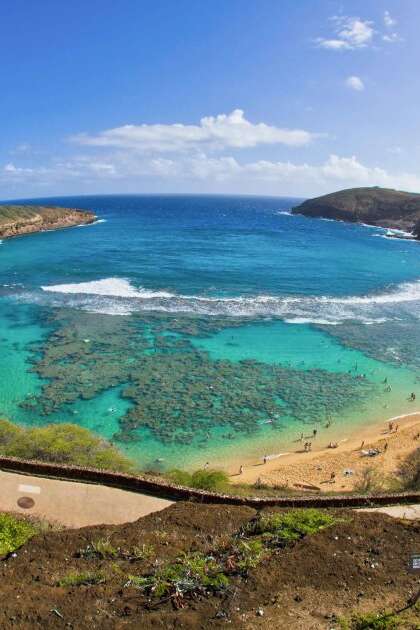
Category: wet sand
[316,467]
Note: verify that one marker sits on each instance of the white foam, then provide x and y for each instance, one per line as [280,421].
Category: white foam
[115,287]
[119,296]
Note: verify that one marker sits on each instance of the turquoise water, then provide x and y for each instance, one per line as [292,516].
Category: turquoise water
[191,329]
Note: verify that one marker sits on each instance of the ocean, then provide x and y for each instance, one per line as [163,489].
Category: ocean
[194,329]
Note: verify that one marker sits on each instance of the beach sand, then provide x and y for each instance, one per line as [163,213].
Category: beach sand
[315,467]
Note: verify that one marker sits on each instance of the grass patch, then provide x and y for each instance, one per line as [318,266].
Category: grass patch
[215,480]
[86,578]
[283,528]
[101,548]
[14,532]
[371,621]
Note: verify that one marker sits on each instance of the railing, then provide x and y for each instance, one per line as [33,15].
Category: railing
[167,490]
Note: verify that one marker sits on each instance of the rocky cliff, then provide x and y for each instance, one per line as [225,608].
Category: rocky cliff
[17,220]
[376,206]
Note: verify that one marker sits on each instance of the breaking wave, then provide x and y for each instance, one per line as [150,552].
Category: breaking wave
[118,296]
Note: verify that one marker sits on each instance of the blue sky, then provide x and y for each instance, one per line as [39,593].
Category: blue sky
[232,96]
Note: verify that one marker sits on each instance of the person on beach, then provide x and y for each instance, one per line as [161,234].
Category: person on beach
[385,447]
[314,432]
[265,459]
[301,437]
[241,469]
[332,477]
[309,446]
[390,426]
[362,444]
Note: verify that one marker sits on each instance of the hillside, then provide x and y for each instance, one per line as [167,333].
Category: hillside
[213,566]
[17,220]
[375,206]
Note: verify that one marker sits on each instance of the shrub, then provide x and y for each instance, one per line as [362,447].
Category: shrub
[14,532]
[409,471]
[62,444]
[282,528]
[191,574]
[369,480]
[213,480]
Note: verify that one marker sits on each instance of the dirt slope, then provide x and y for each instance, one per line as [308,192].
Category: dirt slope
[358,564]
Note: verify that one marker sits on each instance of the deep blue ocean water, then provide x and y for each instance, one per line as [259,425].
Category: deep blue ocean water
[312,293]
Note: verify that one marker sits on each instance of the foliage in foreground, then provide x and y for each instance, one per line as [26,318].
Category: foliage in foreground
[215,480]
[86,578]
[201,574]
[371,621]
[14,532]
[61,444]
[283,528]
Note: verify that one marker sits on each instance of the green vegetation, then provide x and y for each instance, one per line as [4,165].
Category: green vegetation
[101,548]
[409,471]
[203,573]
[193,573]
[81,579]
[142,552]
[215,480]
[369,480]
[282,528]
[14,532]
[371,621]
[62,444]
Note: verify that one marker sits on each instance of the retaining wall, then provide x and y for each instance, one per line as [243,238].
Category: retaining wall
[166,490]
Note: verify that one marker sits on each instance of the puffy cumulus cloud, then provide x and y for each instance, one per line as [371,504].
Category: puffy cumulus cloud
[355,83]
[214,132]
[349,33]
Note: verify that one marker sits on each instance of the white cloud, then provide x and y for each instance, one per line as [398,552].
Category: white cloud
[213,174]
[349,33]
[214,132]
[388,20]
[355,83]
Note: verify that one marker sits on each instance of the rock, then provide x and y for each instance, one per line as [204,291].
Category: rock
[381,207]
[18,220]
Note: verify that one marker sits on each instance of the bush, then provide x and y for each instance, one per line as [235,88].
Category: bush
[213,480]
[368,481]
[290,526]
[191,574]
[14,532]
[409,471]
[61,444]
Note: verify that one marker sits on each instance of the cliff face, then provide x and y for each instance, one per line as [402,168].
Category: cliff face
[18,220]
[375,206]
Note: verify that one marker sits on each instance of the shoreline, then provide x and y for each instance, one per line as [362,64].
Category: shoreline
[295,468]
[42,219]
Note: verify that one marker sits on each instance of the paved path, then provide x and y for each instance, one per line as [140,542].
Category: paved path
[406,512]
[73,504]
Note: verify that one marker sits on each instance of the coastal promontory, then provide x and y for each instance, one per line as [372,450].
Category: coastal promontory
[16,220]
[383,207]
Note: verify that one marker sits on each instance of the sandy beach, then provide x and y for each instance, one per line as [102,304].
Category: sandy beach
[316,467]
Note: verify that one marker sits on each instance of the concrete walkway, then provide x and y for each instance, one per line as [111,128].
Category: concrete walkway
[73,504]
[406,512]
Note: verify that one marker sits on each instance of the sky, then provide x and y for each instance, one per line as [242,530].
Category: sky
[273,97]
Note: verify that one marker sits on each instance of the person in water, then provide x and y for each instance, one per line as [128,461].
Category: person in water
[412,397]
